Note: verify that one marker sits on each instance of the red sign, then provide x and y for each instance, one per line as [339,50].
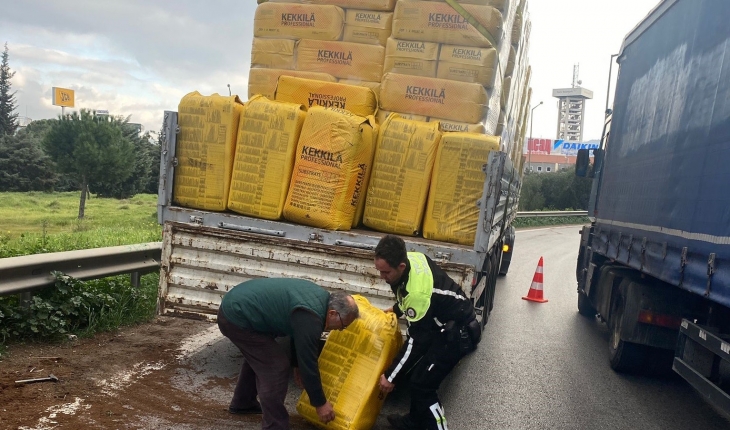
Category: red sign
[539,146]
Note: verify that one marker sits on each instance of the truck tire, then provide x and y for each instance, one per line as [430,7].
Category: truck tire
[585,307]
[625,357]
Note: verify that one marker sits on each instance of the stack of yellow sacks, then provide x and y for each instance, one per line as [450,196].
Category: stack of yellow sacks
[325,40]
[438,66]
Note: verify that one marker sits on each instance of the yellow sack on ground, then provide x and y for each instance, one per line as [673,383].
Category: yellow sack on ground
[264,81]
[267,139]
[375,86]
[272,53]
[350,364]
[438,22]
[367,26]
[330,168]
[440,98]
[298,21]
[344,60]
[356,99]
[348,4]
[456,186]
[468,64]
[456,126]
[404,158]
[205,145]
[383,115]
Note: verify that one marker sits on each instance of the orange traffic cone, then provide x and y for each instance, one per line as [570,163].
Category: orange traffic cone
[535,293]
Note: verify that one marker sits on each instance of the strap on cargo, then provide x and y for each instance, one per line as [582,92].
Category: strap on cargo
[477,25]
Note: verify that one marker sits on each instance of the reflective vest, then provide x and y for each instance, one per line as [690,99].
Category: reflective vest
[419,287]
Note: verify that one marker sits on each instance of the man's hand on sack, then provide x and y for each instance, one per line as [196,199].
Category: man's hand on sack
[326,413]
[385,385]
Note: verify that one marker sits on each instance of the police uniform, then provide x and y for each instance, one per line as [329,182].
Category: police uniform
[437,312]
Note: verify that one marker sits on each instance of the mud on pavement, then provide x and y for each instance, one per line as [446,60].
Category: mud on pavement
[171,373]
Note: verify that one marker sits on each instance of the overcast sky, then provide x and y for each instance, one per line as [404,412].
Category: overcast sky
[139,58]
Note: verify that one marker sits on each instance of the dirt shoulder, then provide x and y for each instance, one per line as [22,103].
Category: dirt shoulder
[171,373]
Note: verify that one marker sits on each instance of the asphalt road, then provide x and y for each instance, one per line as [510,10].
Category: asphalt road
[543,366]
[539,366]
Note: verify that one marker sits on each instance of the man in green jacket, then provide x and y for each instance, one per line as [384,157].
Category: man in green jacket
[252,314]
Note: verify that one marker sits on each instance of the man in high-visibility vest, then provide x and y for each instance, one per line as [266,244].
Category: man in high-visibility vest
[442,328]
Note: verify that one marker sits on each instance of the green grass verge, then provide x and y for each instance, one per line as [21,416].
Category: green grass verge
[47,222]
[550,221]
[35,223]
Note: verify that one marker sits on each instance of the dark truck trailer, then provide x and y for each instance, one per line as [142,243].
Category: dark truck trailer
[655,262]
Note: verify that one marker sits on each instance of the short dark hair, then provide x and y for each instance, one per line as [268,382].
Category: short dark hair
[339,301]
[392,249]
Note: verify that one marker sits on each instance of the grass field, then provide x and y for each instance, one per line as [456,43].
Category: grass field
[36,223]
[48,222]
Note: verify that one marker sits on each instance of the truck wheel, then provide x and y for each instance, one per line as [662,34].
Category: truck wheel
[624,356]
[584,306]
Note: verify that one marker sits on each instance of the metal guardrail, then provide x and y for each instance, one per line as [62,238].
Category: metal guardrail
[540,214]
[32,272]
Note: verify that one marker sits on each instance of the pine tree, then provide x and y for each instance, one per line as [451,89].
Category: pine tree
[8,116]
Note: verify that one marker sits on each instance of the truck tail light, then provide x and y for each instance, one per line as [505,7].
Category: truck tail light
[653,318]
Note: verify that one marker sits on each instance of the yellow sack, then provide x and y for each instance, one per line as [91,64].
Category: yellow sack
[298,21]
[272,53]
[456,126]
[267,139]
[506,88]
[411,58]
[438,22]
[356,99]
[345,60]
[440,98]
[456,186]
[348,4]
[468,64]
[367,26]
[264,81]
[205,145]
[383,115]
[404,158]
[511,62]
[375,86]
[351,363]
[331,165]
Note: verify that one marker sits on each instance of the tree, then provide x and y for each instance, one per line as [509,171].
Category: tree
[8,116]
[145,171]
[92,148]
[23,164]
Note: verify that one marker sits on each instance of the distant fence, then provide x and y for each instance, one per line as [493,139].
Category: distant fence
[32,272]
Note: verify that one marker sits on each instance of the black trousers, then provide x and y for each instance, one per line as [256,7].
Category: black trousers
[426,377]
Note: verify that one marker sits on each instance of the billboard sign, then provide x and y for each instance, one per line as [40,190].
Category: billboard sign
[63,97]
[539,146]
[563,147]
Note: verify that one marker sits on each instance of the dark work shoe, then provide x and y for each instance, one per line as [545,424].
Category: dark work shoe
[255,410]
[401,422]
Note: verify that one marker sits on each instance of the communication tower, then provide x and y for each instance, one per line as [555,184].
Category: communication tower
[571,109]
